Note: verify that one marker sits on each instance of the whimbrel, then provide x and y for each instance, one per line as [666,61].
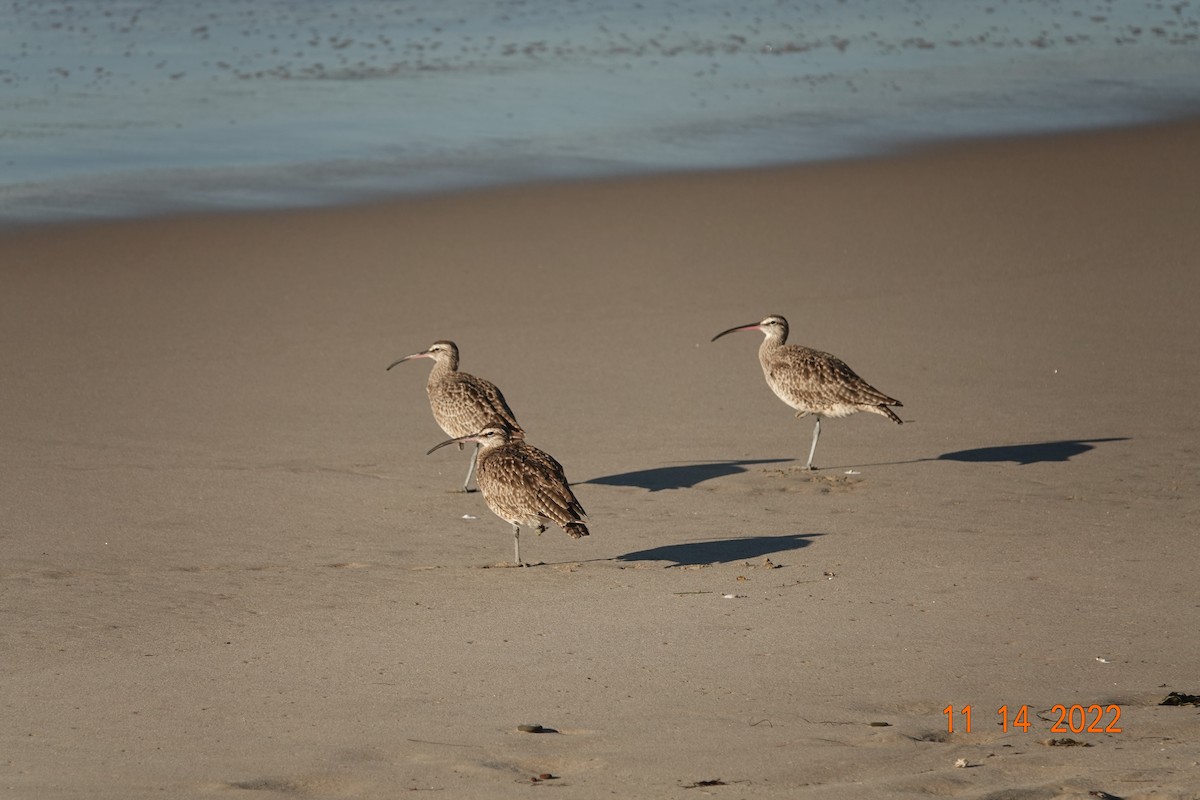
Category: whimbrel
[521,484]
[813,382]
[462,404]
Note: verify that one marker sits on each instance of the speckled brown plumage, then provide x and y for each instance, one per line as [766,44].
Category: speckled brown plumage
[523,485]
[812,381]
[462,404]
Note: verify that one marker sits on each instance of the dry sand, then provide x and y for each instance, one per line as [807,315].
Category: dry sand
[229,570]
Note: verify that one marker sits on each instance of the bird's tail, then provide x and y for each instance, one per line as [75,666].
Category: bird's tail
[891,415]
[575,529]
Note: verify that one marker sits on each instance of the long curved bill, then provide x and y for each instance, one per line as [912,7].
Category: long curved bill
[753,326]
[459,440]
[422,354]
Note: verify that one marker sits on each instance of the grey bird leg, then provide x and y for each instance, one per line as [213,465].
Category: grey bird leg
[517,545]
[816,435]
[471,469]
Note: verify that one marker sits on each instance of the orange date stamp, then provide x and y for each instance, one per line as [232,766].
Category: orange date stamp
[1075,718]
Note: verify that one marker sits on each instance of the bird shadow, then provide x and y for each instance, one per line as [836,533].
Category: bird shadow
[711,551]
[1032,453]
[1020,454]
[683,476]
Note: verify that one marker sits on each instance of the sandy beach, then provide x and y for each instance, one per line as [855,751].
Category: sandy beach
[230,570]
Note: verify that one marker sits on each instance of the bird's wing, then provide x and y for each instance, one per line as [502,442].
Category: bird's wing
[824,374]
[543,482]
[466,404]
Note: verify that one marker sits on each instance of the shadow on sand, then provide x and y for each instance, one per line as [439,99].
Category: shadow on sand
[711,551]
[1023,454]
[683,476]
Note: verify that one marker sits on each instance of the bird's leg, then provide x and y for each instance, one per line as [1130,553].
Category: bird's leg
[517,545]
[816,435]
[471,469]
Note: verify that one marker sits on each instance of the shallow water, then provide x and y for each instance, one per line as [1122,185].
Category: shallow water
[123,107]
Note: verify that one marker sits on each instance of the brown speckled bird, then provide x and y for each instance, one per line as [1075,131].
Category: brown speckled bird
[462,404]
[813,382]
[521,484]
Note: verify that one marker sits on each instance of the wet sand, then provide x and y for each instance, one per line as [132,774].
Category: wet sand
[230,570]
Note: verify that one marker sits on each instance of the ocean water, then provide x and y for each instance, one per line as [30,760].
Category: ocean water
[112,108]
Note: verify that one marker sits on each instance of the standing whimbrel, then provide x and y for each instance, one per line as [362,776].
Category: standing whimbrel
[521,484]
[813,382]
[462,404]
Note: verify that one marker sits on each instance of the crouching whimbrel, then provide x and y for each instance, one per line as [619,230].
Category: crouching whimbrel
[462,404]
[813,382]
[521,484]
